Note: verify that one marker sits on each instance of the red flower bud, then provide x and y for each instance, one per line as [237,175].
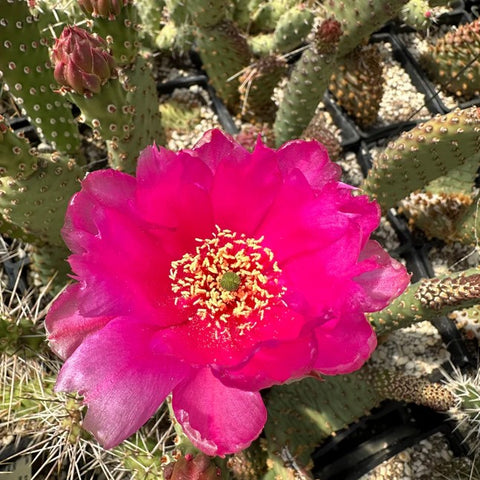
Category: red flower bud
[102,8]
[328,34]
[192,468]
[82,62]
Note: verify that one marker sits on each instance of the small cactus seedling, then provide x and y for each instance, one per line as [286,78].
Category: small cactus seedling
[417,14]
[358,84]
[453,60]
[344,27]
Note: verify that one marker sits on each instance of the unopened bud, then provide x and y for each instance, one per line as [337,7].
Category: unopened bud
[102,8]
[82,61]
[189,467]
[328,35]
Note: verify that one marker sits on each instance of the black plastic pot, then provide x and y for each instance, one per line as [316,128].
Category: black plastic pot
[388,430]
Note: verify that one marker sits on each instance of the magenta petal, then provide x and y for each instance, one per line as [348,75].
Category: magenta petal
[272,365]
[173,194]
[118,257]
[313,219]
[215,146]
[384,280]
[122,380]
[311,158]
[198,343]
[245,184]
[314,279]
[66,327]
[218,419]
[344,344]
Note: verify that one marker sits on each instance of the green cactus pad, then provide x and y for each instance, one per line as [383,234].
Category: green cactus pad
[428,151]
[304,413]
[360,18]
[125,113]
[292,28]
[429,299]
[27,73]
[415,14]
[305,88]
[224,53]
[35,188]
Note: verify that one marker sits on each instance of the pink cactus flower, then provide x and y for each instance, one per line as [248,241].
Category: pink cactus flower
[82,61]
[213,274]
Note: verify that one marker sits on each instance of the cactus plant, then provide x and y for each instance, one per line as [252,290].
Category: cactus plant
[357,84]
[453,60]
[437,158]
[26,72]
[424,153]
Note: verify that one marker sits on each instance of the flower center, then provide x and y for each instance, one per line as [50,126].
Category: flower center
[230,281]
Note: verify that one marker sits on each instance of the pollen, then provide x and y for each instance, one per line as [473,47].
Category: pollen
[229,282]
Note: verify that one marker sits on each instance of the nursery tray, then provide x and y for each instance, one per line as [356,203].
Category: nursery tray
[224,117]
[388,430]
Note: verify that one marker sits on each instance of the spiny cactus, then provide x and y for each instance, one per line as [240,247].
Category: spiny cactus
[436,214]
[358,84]
[429,299]
[257,84]
[417,14]
[424,153]
[465,388]
[290,32]
[346,25]
[27,73]
[453,60]
[304,413]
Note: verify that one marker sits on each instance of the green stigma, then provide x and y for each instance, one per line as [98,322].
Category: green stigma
[230,281]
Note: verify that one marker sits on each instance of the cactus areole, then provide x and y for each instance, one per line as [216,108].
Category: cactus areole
[82,61]
[212,274]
